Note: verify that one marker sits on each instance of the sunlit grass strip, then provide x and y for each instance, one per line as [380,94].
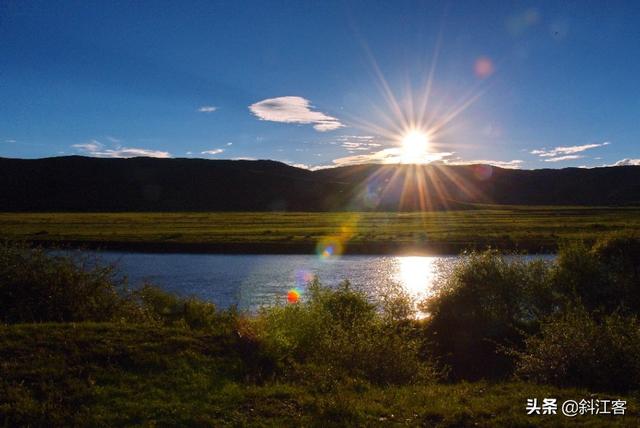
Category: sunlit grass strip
[518,225]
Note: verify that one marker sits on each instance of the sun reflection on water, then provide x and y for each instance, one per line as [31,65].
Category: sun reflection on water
[417,275]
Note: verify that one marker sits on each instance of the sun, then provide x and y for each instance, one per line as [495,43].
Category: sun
[415,146]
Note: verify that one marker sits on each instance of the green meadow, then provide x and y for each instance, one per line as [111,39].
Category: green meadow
[529,228]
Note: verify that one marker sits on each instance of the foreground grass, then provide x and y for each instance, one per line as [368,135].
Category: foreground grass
[530,228]
[109,374]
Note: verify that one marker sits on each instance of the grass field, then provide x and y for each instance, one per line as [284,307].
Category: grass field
[529,228]
[115,375]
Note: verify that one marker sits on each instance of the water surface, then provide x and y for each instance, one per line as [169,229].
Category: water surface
[250,281]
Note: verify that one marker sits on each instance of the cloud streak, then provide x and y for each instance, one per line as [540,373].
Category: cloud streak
[96,149]
[354,143]
[511,164]
[207,109]
[293,109]
[627,162]
[564,151]
[393,155]
[389,155]
[563,158]
[212,152]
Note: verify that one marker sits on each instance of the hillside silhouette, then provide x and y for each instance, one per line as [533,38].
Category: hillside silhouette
[84,184]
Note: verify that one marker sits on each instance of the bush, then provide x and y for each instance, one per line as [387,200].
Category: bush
[485,304]
[170,310]
[338,334]
[36,286]
[604,277]
[574,349]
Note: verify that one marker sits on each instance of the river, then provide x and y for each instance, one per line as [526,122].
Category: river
[250,281]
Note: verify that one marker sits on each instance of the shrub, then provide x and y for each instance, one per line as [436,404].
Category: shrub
[621,257]
[171,310]
[36,286]
[604,277]
[575,349]
[486,303]
[337,334]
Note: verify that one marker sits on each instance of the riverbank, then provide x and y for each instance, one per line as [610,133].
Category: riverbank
[526,229]
[80,347]
[303,248]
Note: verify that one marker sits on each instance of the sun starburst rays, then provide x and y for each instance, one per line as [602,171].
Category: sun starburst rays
[416,129]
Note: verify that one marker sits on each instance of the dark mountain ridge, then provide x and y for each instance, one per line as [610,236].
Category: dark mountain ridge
[84,184]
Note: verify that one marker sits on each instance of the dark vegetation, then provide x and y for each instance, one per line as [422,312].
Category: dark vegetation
[80,184]
[78,347]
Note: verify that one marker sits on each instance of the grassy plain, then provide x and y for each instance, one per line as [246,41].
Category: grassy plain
[528,228]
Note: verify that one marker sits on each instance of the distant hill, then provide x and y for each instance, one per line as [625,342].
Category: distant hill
[78,183]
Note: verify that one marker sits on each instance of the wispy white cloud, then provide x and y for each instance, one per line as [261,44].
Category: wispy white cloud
[10,141]
[563,158]
[388,155]
[244,158]
[113,139]
[90,146]
[510,164]
[212,152]
[355,143]
[207,109]
[299,165]
[566,150]
[293,109]
[96,149]
[627,162]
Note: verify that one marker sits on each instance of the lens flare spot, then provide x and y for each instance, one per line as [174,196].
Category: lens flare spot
[329,247]
[482,172]
[293,295]
[483,67]
[303,277]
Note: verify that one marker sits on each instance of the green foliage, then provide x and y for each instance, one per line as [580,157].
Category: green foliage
[575,349]
[338,334]
[36,286]
[174,311]
[110,375]
[491,313]
[604,277]
[87,374]
[333,359]
[486,303]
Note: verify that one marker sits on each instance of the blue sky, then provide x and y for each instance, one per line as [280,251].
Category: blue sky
[518,84]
